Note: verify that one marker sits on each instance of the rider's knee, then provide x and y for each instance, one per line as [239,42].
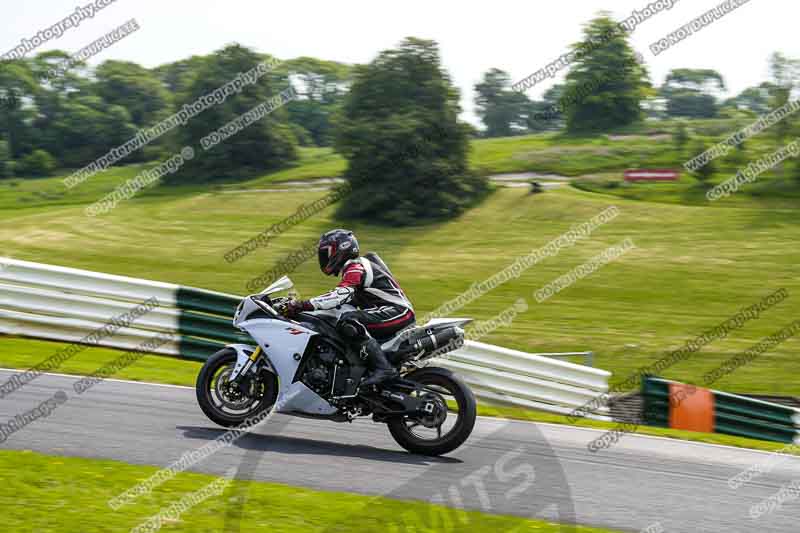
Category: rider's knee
[352,329]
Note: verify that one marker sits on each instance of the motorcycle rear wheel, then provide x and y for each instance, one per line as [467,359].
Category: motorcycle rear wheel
[449,387]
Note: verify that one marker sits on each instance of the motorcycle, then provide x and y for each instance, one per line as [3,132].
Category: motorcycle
[302,367]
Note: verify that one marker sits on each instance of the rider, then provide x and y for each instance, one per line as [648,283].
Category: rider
[382,307]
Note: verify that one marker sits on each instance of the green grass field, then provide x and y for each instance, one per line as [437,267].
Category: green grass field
[693,266]
[83,487]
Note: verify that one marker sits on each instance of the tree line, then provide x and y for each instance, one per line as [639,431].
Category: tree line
[70,120]
[610,88]
[394,119]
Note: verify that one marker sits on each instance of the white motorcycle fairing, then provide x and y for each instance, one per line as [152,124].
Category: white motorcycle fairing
[283,344]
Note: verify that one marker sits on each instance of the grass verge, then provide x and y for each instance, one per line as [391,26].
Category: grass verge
[62,494]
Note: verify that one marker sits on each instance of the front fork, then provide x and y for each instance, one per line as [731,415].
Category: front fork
[247,359]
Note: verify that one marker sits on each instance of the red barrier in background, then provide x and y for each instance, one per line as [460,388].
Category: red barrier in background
[651,175]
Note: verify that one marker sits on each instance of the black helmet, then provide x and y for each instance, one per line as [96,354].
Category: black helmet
[336,248]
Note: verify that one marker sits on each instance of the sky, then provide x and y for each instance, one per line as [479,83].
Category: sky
[517,36]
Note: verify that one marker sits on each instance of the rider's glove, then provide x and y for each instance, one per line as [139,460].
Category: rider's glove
[295,307]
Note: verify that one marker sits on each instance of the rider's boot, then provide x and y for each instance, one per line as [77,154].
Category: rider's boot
[382,369]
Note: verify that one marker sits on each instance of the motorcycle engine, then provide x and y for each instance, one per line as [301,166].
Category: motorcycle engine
[328,374]
[318,374]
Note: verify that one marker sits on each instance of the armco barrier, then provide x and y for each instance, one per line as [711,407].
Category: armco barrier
[671,404]
[122,288]
[39,301]
[75,330]
[67,304]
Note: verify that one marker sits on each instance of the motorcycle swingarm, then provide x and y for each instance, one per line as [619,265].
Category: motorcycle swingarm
[411,406]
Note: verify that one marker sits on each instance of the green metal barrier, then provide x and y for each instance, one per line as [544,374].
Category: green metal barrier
[731,414]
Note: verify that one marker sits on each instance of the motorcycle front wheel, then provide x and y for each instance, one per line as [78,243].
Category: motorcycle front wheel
[225,403]
[450,423]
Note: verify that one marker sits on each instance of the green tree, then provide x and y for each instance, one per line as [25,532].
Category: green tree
[606,63]
[18,88]
[81,128]
[133,87]
[681,138]
[264,145]
[503,111]
[321,87]
[6,163]
[56,73]
[37,163]
[545,114]
[179,75]
[406,149]
[692,92]
[752,99]
[784,73]
[72,120]
[704,173]
[552,96]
